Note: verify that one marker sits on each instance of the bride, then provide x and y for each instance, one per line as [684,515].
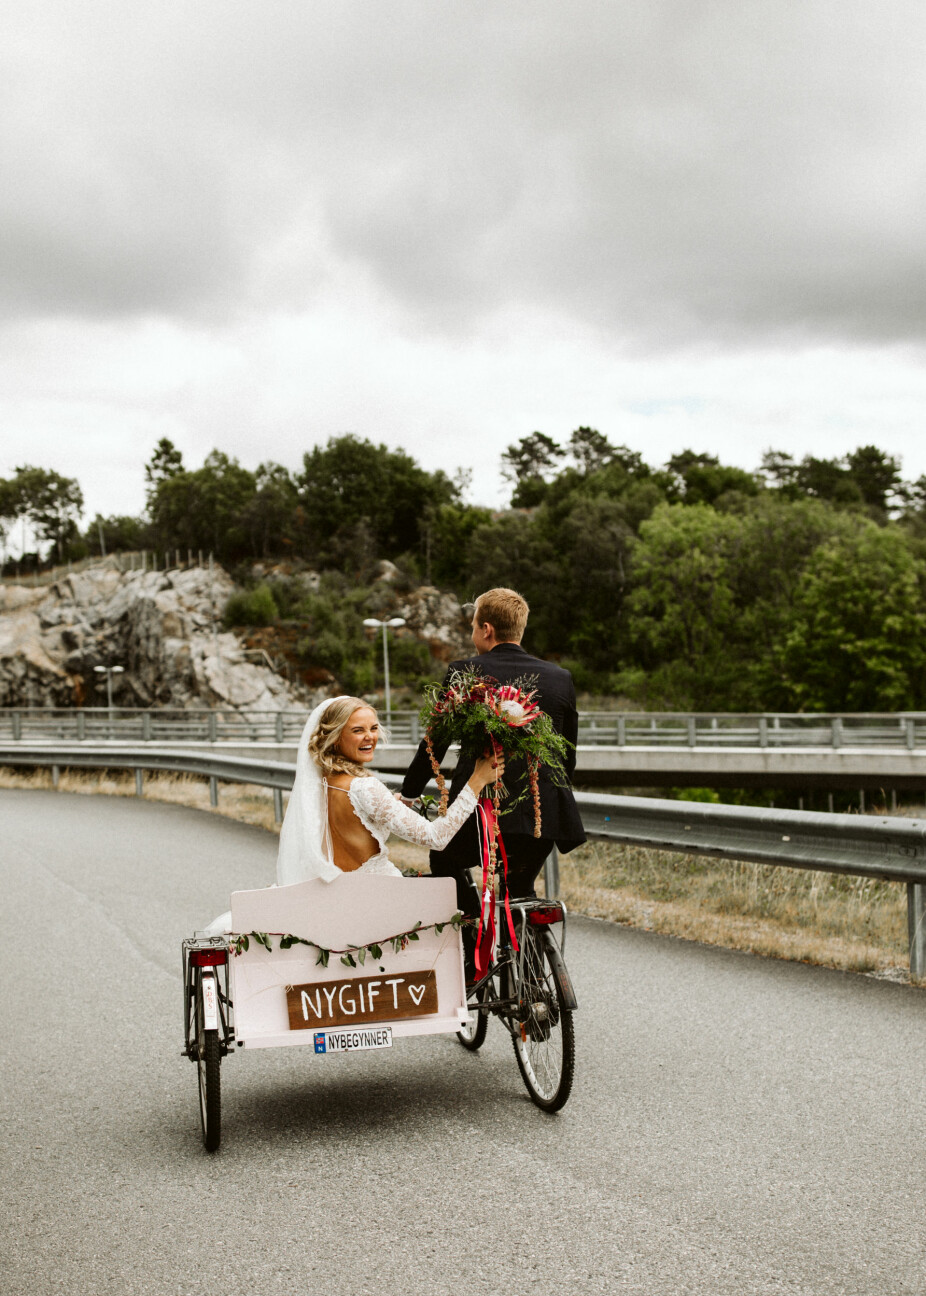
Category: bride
[339,816]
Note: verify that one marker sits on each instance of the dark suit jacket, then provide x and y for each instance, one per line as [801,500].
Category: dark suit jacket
[556,695]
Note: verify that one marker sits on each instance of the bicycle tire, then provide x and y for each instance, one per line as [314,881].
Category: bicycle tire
[209,1076]
[473,1036]
[544,1033]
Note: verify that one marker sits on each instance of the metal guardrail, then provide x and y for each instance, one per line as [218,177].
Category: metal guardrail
[880,847]
[900,730]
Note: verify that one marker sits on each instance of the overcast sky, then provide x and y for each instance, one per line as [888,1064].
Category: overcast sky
[444,224]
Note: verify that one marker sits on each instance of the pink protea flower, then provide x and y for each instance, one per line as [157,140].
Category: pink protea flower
[516,708]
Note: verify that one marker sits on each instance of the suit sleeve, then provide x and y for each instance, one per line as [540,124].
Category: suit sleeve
[571,730]
[419,771]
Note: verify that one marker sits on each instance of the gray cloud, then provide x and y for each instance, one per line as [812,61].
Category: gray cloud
[669,172]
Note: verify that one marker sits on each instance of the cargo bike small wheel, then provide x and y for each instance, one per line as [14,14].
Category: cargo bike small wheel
[472,1036]
[205,1035]
[208,1064]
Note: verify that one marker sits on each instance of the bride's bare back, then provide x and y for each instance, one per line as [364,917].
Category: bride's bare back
[351,843]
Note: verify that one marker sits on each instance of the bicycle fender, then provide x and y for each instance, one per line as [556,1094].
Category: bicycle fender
[563,979]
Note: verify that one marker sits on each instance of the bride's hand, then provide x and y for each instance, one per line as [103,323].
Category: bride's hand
[489,769]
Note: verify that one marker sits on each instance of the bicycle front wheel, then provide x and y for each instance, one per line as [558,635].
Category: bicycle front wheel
[543,1031]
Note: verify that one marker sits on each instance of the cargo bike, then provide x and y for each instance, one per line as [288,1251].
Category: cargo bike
[363,961]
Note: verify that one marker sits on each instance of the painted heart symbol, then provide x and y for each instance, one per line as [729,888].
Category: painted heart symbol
[417,993]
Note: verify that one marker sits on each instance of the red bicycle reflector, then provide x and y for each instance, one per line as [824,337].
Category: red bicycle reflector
[540,917]
[208,957]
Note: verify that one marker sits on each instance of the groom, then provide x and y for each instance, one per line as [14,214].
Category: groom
[499,621]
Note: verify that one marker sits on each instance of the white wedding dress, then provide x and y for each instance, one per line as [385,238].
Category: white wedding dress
[305,842]
[381,814]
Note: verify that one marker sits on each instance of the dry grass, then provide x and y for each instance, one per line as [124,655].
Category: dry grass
[245,802]
[242,801]
[856,924]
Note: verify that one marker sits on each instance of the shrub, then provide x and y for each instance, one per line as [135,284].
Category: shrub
[251,608]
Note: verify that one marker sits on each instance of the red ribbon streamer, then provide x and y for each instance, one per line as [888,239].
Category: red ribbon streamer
[485,938]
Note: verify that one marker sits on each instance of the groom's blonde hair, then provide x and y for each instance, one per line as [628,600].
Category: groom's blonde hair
[323,745]
[506,611]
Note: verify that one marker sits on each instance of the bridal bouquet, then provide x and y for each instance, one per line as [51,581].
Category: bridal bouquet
[478,712]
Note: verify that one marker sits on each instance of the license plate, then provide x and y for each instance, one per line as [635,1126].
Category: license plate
[353,1041]
[210,1003]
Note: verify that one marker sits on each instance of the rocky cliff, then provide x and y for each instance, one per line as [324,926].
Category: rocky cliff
[161,627]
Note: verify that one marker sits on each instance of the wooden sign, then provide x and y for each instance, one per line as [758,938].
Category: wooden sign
[361,999]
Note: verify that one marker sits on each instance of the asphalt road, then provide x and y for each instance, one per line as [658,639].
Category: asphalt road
[737,1125]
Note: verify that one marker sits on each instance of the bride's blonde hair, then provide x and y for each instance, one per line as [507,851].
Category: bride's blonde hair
[323,745]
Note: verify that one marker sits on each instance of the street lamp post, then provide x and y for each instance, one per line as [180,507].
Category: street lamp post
[109,672]
[395,622]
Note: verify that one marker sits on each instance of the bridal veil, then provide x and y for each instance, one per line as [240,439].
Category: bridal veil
[304,843]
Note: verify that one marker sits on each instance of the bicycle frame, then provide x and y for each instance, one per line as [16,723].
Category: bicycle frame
[212,948]
[506,957]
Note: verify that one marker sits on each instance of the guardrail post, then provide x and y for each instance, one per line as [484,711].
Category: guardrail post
[911,734]
[278,805]
[416,729]
[692,731]
[146,726]
[213,790]
[551,874]
[836,728]
[621,731]
[55,776]
[916,915]
[81,726]
[17,726]
[139,782]
[763,731]
[279,729]
[213,730]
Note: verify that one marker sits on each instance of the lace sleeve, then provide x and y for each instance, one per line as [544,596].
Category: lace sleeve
[377,807]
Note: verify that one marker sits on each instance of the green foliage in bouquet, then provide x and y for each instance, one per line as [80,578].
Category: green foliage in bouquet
[481,714]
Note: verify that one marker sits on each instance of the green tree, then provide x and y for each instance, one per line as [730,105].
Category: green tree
[120,534]
[682,608]
[165,462]
[52,503]
[780,472]
[590,449]
[827,479]
[269,516]
[528,465]
[595,543]
[448,530]
[703,479]
[858,638]
[512,550]
[349,481]
[205,509]
[9,508]
[766,572]
[877,476]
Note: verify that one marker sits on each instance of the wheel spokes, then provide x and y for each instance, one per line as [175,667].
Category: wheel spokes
[541,1044]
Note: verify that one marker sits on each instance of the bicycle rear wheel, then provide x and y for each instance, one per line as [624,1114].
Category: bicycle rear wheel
[543,1033]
